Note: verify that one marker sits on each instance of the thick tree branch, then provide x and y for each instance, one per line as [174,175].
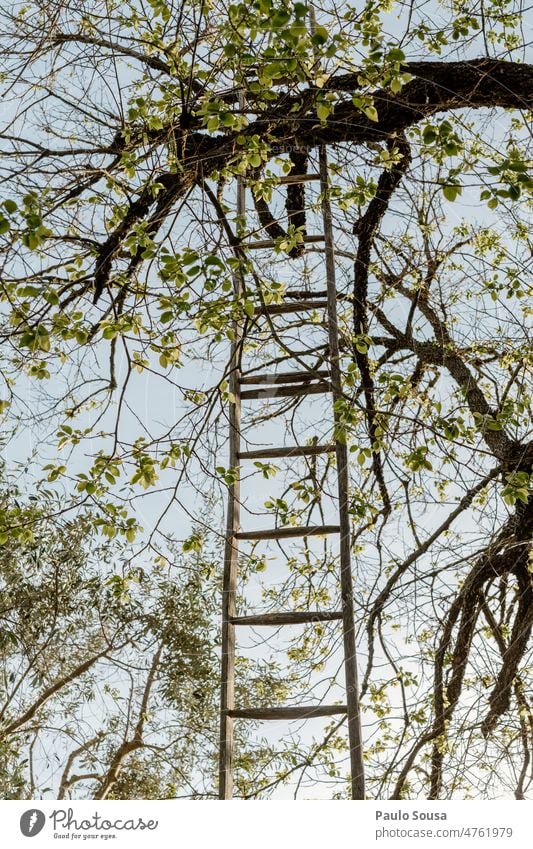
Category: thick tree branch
[79,670]
[136,741]
[442,351]
[365,229]
[436,87]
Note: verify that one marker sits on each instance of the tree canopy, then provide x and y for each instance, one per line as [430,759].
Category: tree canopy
[126,125]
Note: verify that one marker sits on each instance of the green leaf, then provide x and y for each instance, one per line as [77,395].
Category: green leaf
[323,111]
[31,240]
[371,112]
[281,18]
[396,55]
[320,36]
[452,191]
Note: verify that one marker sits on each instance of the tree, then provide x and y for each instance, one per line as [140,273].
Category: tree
[99,666]
[126,128]
[109,675]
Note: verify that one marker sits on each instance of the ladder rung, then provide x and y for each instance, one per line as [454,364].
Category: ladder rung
[295,617]
[298,178]
[287,391]
[306,712]
[280,309]
[285,377]
[273,243]
[291,451]
[285,533]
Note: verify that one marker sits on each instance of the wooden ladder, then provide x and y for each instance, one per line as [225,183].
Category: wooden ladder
[289,384]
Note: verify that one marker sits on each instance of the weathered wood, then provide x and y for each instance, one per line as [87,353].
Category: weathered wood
[298,178]
[286,391]
[291,451]
[284,377]
[275,386]
[348,629]
[291,617]
[306,712]
[231,553]
[273,243]
[281,309]
[287,533]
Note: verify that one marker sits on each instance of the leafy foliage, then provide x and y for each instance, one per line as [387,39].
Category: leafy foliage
[121,242]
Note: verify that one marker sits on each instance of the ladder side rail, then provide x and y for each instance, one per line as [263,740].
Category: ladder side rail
[350,655]
[231,549]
